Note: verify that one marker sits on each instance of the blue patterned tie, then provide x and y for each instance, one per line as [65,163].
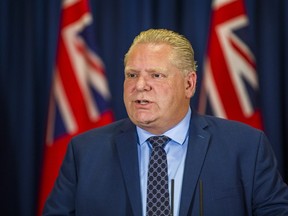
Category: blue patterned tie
[157,185]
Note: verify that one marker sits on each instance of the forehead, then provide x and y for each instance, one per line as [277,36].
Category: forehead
[149,53]
[151,58]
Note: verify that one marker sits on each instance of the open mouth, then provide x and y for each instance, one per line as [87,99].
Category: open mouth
[142,102]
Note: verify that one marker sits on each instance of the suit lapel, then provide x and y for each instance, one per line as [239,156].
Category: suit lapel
[126,144]
[196,152]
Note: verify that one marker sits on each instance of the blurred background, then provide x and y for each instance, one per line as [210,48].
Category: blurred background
[28,45]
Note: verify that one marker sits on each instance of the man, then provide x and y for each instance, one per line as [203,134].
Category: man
[215,166]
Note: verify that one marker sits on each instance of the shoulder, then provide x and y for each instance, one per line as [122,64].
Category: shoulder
[99,142]
[220,125]
[103,134]
[227,133]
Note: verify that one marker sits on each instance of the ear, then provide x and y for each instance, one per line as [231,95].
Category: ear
[190,84]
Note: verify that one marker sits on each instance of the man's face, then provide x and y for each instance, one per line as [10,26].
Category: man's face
[156,93]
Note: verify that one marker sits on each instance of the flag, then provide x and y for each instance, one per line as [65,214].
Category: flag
[79,98]
[230,87]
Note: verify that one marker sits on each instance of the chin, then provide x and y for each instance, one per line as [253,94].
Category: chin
[144,122]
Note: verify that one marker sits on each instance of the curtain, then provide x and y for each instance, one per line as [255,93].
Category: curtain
[28,40]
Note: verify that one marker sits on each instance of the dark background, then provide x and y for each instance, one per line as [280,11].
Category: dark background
[28,39]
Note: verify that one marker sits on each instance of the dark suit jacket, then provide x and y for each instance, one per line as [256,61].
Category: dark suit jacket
[234,162]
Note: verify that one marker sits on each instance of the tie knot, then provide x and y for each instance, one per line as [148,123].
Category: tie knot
[158,141]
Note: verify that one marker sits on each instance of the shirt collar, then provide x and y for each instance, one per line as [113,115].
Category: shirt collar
[178,133]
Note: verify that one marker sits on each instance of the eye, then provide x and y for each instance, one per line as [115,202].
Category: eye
[131,75]
[158,75]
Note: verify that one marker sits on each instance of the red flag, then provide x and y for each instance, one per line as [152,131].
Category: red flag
[230,84]
[80,96]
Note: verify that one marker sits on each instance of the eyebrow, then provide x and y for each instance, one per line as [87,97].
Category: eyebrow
[149,70]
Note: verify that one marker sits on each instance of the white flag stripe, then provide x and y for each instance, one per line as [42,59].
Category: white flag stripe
[238,67]
[100,84]
[51,119]
[83,78]
[79,64]
[64,106]
[67,3]
[212,92]
[219,3]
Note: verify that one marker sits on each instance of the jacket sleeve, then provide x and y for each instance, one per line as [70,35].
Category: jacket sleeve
[61,200]
[270,193]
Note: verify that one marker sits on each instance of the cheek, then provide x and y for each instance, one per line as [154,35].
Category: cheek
[129,85]
[127,89]
[167,98]
[177,96]
[126,96]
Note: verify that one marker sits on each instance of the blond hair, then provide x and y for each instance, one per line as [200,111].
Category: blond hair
[183,53]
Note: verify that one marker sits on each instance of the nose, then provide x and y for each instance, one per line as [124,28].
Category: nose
[142,84]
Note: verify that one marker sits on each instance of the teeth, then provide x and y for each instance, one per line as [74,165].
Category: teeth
[142,101]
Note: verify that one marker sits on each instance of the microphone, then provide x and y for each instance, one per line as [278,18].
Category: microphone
[201,197]
[172,198]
